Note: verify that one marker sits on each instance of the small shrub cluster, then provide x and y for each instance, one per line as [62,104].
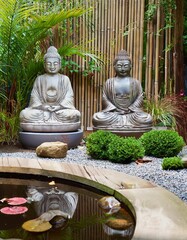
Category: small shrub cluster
[106,145]
[125,150]
[158,143]
[162,143]
[97,144]
[172,163]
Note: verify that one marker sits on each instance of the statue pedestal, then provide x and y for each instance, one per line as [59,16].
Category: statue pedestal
[125,132]
[33,139]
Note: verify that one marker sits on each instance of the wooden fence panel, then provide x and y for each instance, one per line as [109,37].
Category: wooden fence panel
[116,25]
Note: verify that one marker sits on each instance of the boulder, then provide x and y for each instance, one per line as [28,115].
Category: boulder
[118,224]
[52,150]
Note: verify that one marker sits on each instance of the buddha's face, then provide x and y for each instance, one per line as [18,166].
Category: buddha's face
[52,65]
[122,68]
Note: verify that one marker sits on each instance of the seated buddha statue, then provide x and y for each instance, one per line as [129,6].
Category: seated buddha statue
[51,107]
[122,100]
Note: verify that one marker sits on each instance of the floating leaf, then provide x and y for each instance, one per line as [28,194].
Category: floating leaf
[36,225]
[42,224]
[14,210]
[16,201]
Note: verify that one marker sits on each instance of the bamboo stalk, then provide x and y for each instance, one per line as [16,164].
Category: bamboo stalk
[149,57]
[136,40]
[157,55]
[142,7]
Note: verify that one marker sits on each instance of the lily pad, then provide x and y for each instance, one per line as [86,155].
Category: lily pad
[16,201]
[14,210]
[36,225]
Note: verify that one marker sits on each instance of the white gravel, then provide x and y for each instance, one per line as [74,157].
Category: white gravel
[173,180]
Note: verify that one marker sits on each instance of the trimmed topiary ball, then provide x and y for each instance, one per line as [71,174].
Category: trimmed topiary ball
[97,144]
[125,150]
[172,163]
[162,143]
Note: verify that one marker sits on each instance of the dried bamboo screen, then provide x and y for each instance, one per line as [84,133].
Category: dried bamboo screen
[120,24]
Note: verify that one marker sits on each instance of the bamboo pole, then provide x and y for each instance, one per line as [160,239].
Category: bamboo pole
[157,55]
[149,57]
[142,7]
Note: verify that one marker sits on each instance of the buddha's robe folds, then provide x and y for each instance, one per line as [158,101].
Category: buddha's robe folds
[122,110]
[47,93]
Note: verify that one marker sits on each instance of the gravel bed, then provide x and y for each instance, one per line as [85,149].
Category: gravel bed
[173,180]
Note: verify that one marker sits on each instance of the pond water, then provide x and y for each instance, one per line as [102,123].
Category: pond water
[87,220]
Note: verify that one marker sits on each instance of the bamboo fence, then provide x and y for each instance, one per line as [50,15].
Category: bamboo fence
[121,24]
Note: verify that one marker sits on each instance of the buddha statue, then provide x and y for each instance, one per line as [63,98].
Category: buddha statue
[51,107]
[122,100]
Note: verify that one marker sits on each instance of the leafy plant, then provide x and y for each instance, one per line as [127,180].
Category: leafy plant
[9,127]
[21,28]
[97,144]
[162,143]
[125,150]
[169,111]
[26,31]
[172,163]
[161,112]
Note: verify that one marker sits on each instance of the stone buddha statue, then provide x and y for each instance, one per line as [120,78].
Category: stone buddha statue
[51,107]
[122,100]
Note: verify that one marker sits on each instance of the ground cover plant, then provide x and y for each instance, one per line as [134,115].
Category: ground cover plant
[162,143]
[172,163]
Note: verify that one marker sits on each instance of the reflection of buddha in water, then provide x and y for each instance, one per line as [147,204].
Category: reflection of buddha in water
[53,199]
[122,100]
[52,98]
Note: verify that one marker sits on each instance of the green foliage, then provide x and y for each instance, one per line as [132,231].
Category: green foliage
[9,127]
[125,150]
[106,145]
[26,31]
[161,112]
[166,6]
[172,163]
[162,143]
[97,144]
[169,111]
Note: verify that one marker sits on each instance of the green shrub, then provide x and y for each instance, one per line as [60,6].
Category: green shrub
[162,143]
[172,163]
[97,144]
[125,150]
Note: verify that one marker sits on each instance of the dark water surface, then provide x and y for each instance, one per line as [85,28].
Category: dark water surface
[87,223]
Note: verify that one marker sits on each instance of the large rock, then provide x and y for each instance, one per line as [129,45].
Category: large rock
[118,224]
[52,149]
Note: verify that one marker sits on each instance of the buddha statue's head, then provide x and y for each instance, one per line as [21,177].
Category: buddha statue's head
[122,64]
[52,60]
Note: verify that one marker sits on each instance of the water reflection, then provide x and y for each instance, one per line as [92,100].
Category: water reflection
[46,199]
[87,221]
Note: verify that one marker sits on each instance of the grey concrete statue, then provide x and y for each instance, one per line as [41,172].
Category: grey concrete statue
[122,100]
[51,107]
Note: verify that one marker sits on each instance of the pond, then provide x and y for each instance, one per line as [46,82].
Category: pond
[82,213]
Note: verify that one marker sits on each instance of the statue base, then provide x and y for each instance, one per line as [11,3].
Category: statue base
[32,140]
[51,127]
[125,132]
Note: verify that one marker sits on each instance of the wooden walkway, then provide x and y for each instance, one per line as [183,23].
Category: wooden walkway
[159,214]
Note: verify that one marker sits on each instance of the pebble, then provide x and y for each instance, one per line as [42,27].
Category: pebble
[173,180]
